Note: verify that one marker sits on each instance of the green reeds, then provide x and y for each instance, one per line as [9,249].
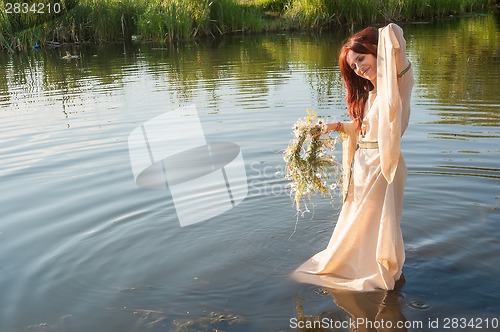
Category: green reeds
[77,21]
[314,13]
[103,20]
[22,28]
[168,20]
[183,19]
[173,19]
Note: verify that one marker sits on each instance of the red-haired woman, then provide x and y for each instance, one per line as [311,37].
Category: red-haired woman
[366,250]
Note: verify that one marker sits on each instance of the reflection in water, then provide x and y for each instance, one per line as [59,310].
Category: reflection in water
[459,68]
[374,311]
[455,62]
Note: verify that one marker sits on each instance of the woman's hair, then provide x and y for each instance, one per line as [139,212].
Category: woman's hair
[362,42]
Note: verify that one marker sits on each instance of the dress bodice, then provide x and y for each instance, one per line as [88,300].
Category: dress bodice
[369,127]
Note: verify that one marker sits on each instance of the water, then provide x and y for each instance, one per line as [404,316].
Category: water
[83,248]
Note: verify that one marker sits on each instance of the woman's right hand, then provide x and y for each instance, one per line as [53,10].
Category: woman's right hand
[336,126]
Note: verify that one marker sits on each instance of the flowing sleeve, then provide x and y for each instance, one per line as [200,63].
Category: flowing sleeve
[391,57]
[348,148]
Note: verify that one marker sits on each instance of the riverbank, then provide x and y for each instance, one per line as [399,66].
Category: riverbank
[79,21]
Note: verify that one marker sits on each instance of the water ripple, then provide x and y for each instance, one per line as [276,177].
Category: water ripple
[451,170]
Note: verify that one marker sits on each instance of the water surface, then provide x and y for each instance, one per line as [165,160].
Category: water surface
[83,248]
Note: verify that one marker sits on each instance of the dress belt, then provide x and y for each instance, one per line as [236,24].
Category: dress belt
[367,145]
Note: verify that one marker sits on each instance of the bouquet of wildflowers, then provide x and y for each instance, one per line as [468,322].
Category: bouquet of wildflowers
[310,164]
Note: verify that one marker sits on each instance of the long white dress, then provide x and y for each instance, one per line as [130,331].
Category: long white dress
[366,250]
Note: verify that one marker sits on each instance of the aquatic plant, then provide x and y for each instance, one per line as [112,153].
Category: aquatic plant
[318,13]
[80,21]
[172,19]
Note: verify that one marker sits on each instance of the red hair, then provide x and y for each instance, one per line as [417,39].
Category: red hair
[362,42]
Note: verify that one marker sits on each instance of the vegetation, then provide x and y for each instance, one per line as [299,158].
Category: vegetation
[77,21]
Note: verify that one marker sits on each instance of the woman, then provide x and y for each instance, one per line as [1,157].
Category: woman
[366,250]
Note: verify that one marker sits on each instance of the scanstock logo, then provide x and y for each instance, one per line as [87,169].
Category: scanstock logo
[171,152]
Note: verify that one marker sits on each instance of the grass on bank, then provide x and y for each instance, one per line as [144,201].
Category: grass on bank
[169,20]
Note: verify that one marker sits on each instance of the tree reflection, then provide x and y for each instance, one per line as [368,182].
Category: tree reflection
[456,64]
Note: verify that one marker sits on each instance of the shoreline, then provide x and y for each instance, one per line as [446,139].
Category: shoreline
[87,21]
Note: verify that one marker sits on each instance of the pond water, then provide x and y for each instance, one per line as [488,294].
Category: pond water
[84,248]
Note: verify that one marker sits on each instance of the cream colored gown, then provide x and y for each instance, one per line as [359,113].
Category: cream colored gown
[366,250]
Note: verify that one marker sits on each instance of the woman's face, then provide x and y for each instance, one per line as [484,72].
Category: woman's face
[364,65]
